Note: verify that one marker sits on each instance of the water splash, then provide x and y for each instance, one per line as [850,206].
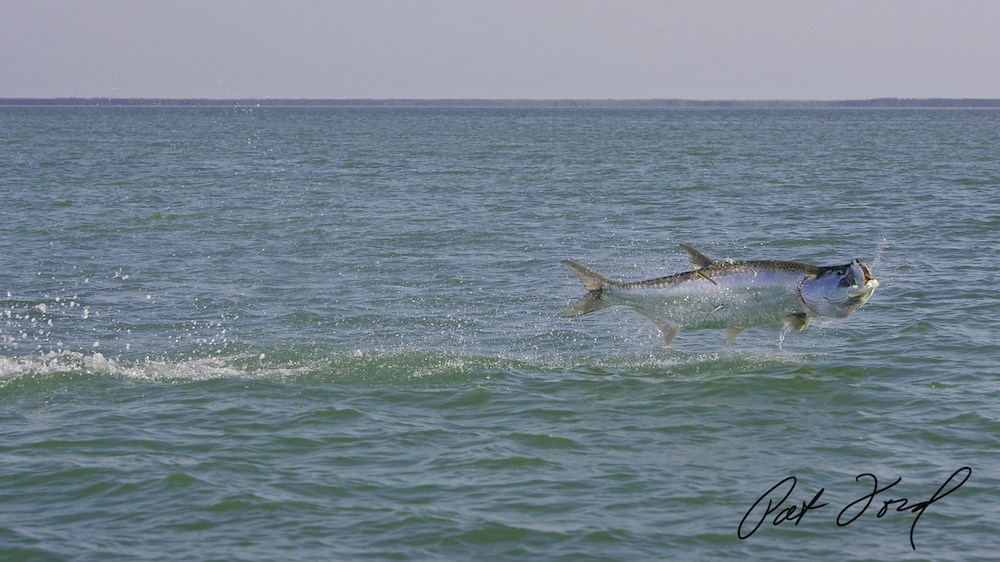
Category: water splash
[879,250]
[380,367]
[74,363]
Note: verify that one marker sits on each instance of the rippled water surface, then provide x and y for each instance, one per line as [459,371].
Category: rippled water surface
[321,334]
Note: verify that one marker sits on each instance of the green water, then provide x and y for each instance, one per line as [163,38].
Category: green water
[332,334]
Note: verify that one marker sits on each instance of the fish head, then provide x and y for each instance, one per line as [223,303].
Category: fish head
[839,290]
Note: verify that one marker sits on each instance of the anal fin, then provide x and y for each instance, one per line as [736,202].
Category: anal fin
[668,331]
[732,333]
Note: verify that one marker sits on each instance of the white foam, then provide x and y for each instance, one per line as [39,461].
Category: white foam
[146,369]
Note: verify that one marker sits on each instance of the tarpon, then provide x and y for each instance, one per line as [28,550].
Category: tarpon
[731,295]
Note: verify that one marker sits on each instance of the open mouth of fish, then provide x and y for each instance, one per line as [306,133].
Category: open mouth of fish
[859,271]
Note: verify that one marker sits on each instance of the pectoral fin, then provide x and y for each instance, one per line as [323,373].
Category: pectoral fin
[732,333]
[797,321]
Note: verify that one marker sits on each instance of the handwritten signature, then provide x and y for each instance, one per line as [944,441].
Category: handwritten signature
[773,508]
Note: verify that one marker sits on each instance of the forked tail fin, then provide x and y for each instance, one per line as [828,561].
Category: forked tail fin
[595,283]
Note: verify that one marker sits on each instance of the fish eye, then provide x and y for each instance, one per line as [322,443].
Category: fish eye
[840,271]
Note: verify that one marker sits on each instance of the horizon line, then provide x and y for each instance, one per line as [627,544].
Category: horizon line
[887,102]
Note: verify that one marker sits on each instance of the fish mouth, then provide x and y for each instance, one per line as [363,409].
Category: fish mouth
[861,272]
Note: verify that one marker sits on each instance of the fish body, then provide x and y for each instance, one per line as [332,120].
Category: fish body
[731,295]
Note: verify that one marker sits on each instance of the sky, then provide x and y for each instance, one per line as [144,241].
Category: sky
[501,49]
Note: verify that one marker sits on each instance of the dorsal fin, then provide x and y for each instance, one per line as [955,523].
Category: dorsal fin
[697,258]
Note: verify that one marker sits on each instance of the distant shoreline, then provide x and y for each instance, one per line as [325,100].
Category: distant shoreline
[509,103]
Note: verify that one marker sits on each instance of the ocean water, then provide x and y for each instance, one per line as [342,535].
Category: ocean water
[331,334]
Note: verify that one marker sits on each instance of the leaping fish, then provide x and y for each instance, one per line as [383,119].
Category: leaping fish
[731,295]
